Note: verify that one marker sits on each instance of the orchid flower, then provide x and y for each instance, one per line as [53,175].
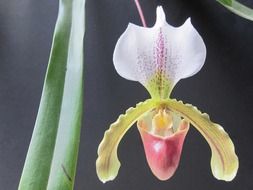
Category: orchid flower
[158,58]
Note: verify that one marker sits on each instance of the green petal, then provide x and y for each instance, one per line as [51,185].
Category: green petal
[159,86]
[224,162]
[107,163]
[238,8]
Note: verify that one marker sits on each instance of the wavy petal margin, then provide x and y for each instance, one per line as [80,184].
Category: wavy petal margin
[107,164]
[224,161]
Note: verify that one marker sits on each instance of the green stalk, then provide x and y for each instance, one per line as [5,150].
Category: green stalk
[238,8]
[52,156]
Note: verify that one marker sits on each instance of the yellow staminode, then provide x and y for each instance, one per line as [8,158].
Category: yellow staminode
[162,123]
[162,120]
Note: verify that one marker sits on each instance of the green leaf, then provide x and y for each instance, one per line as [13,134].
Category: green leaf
[227,2]
[52,156]
[238,8]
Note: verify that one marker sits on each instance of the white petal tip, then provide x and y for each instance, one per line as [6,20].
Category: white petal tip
[160,16]
[188,23]
[188,20]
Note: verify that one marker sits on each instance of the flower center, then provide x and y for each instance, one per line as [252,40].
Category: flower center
[162,123]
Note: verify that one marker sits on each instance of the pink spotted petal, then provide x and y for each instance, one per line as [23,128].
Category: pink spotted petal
[163,153]
[158,57]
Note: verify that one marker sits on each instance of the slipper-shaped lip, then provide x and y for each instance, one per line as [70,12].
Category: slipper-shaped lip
[163,152]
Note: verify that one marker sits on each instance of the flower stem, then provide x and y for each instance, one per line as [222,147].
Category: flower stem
[140,13]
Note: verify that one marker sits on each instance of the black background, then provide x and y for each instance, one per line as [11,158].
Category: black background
[223,88]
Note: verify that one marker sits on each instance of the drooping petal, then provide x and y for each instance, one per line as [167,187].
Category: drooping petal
[224,161]
[160,56]
[107,164]
[163,153]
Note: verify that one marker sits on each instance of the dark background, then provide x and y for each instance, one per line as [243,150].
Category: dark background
[223,88]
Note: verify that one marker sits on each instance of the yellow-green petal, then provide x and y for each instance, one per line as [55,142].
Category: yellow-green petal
[107,163]
[224,161]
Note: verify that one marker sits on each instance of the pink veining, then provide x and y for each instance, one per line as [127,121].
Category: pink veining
[160,54]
